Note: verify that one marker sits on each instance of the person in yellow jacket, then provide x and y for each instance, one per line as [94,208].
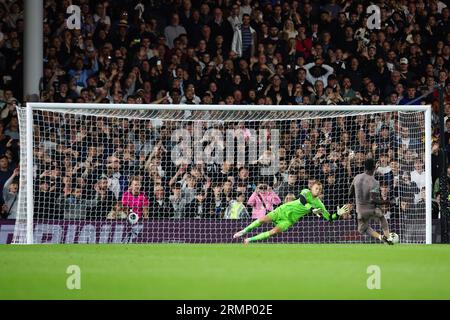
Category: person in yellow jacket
[236,209]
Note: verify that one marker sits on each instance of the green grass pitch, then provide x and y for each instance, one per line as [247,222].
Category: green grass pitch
[256,271]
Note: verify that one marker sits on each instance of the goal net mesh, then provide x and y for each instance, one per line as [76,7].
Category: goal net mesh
[199,176]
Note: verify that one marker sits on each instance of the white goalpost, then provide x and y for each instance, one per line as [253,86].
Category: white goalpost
[199,173]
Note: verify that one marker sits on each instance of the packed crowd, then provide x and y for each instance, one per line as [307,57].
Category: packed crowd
[97,167]
[223,52]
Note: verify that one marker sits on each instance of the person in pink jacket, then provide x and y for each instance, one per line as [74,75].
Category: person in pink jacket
[262,201]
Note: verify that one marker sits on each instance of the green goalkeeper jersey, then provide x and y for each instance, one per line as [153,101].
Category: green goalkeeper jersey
[289,213]
[316,203]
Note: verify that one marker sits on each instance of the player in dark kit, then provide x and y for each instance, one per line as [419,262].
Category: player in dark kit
[365,189]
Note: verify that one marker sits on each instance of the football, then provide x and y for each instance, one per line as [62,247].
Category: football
[394,237]
[133,218]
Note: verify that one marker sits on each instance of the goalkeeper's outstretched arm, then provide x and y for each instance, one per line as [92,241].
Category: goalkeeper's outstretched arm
[322,211]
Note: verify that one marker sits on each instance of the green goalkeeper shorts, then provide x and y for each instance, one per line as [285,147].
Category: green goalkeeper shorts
[280,219]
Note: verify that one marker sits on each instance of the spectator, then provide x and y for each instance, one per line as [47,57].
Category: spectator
[262,201]
[244,181]
[236,209]
[117,212]
[221,27]
[135,200]
[190,97]
[218,201]
[160,207]
[289,186]
[418,174]
[289,31]
[80,73]
[244,39]
[174,30]
[74,206]
[347,93]
[318,70]
[410,97]
[405,74]
[384,171]
[407,187]
[5,171]
[235,18]
[177,201]
[333,184]
[404,209]
[405,140]
[100,15]
[384,140]
[10,195]
[13,129]
[103,200]
[437,184]
[116,181]
[47,197]
[4,140]
[198,207]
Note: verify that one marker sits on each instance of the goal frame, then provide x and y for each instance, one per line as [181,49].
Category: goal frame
[30,106]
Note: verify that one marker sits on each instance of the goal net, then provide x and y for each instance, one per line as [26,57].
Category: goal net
[197,174]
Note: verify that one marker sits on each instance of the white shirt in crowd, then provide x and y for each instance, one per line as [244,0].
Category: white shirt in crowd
[324,78]
[106,20]
[235,21]
[418,178]
[384,170]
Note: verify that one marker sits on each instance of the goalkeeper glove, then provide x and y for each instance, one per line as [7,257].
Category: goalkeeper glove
[317,212]
[345,209]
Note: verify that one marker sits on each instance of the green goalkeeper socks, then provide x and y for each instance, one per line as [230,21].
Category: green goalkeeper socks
[251,226]
[261,236]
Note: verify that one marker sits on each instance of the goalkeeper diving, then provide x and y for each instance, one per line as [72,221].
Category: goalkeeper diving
[286,215]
